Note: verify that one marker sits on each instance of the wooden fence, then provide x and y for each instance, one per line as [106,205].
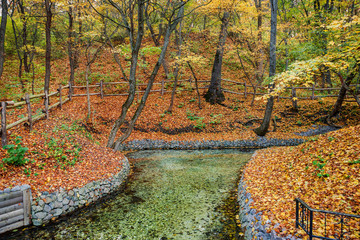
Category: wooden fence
[30,119]
[245,91]
[229,86]
[15,209]
[101,92]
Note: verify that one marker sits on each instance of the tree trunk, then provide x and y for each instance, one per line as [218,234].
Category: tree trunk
[170,29]
[342,93]
[204,27]
[214,93]
[87,74]
[48,44]
[196,83]
[156,40]
[177,68]
[260,62]
[132,77]
[18,54]
[262,130]
[339,101]
[4,13]
[71,46]
[24,37]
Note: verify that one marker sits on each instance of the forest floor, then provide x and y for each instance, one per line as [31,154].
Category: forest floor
[68,150]
[323,172]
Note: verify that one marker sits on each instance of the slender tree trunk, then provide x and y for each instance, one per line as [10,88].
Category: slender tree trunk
[132,77]
[339,101]
[4,13]
[205,18]
[260,61]
[87,74]
[177,68]
[156,40]
[48,44]
[214,93]
[342,93]
[76,50]
[196,83]
[18,54]
[24,37]
[262,130]
[170,29]
[71,46]
[286,54]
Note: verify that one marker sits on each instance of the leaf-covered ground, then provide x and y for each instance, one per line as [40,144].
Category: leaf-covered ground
[324,173]
[68,132]
[68,150]
[60,154]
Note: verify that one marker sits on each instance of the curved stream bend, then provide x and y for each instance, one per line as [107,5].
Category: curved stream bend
[171,195]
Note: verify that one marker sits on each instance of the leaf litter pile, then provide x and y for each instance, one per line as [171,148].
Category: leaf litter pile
[324,172]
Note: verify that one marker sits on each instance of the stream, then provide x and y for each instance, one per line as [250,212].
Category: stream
[170,195]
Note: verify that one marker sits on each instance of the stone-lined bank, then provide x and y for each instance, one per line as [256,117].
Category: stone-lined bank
[251,219]
[49,206]
[59,203]
[260,142]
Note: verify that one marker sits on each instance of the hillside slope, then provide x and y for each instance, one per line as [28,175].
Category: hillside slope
[324,173]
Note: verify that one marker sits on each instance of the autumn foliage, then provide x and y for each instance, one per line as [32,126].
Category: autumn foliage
[276,176]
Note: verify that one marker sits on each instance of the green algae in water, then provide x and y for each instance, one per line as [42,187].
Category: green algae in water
[172,195]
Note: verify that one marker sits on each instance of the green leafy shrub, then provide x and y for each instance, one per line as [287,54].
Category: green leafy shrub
[216,119]
[16,153]
[319,167]
[199,123]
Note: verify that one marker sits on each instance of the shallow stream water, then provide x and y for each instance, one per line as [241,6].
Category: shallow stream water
[170,195]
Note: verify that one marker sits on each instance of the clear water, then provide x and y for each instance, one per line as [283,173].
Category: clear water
[171,195]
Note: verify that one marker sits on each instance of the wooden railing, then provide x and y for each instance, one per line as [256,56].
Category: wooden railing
[26,100]
[228,86]
[226,83]
[313,90]
[101,92]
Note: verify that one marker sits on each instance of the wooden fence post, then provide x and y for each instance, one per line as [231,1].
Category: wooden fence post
[47,104]
[60,95]
[101,89]
[313,92]
[245,93]
[3,124]
[162,87]
[70,91]
[27,206]
[293,99]
[27,100]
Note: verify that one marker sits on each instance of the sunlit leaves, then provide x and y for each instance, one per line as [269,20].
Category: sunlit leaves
[318,172]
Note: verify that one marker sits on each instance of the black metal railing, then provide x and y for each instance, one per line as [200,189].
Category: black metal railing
[321,224]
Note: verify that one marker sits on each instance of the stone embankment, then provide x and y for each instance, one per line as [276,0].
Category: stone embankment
[49,206]
[251,220]
[260,142]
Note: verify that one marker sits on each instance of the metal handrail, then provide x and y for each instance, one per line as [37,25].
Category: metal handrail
[305,220]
